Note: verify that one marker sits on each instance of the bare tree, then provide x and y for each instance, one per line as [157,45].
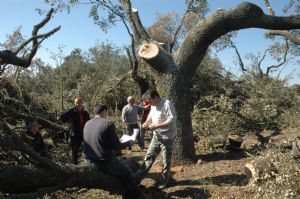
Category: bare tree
[11,57]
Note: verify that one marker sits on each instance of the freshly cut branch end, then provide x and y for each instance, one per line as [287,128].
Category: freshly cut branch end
[149,50]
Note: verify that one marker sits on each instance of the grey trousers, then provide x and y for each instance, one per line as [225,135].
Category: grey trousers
[157,145]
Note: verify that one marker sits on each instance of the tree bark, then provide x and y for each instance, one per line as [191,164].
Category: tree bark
[15,178]
[180,68]
[20,179]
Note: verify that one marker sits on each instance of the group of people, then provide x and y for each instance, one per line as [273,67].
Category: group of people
[100,139]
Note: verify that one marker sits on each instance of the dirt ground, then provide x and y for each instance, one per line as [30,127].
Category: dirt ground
[218,174]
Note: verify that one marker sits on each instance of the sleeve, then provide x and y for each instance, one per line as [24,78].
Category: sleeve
[149,118]
[87,116]
[114,139]
[123,117]
[65,116]
[170,113]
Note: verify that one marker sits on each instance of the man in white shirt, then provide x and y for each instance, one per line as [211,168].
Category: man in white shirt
[162,121]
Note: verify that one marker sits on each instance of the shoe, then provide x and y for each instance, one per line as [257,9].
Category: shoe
[142,149]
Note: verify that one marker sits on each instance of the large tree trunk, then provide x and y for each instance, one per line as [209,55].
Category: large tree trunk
[183,64]
[41,172]
[176,87]
[180,95]
[20,179]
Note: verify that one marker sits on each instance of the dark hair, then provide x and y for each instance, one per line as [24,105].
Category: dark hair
[31,124]
[99,108]
[152,93]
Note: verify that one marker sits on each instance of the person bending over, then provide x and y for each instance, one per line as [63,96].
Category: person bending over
[100,139]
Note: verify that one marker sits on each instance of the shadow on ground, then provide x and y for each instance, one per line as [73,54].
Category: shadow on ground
[227,155]
[190,192]
[221,180]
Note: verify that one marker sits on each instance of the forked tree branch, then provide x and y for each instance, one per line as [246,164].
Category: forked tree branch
[286,49]
[9,57]
[288,35]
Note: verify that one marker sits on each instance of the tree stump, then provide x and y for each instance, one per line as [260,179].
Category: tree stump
[235,142]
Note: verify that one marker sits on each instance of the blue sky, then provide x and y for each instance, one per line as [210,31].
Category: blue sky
[79,31]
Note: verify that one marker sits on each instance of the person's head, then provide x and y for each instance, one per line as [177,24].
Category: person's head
[101,110]
[130,100]
[34,127]
[152,96]
[78,103]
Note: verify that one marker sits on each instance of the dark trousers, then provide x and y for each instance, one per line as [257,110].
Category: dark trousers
[76,142]
[116,168]
[139,138]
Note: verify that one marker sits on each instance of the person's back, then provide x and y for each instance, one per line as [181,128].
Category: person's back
[99,139]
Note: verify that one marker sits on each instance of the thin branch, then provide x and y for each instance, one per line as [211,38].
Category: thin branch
[261,73]
[241,63]
[283,61]
[267,4]
[288,35]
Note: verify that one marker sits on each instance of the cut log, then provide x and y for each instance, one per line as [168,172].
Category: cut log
[259,170]
[157,57]
[16,178]
[20,179]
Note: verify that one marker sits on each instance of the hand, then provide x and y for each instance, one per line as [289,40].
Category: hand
[153,126]
[145,125]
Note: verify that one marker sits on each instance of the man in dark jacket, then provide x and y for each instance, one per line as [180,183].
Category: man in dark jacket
[34,139]
[77,117]
[100,139]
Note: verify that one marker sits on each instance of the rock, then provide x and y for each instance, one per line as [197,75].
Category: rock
[259,170]
[200,161]
[296,148]
[251,143]
[285,138]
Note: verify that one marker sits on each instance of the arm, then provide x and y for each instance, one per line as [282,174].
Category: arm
[114,139]
[65,116]
[123,117]
[87,115]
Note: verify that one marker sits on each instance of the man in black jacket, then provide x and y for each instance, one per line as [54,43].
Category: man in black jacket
[76,117]
[34,139]
[100,139]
